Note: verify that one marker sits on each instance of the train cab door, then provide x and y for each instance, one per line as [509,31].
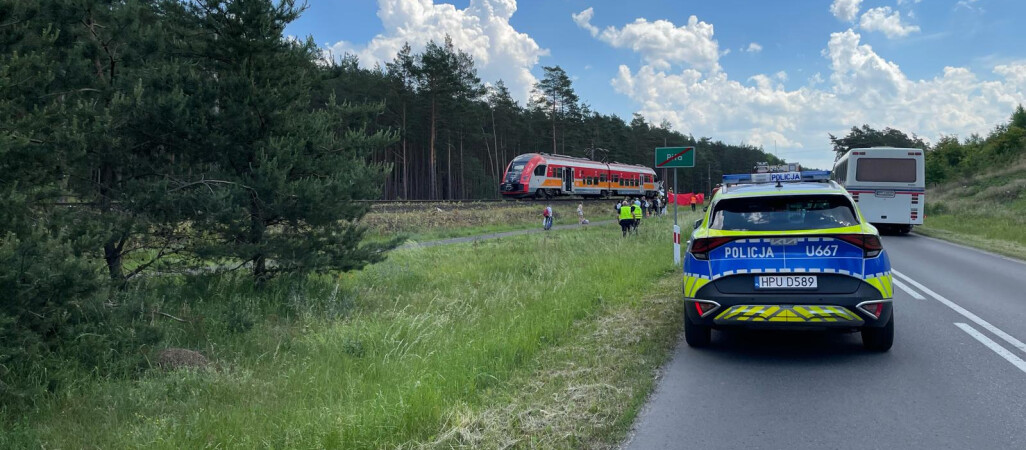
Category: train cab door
[568,179]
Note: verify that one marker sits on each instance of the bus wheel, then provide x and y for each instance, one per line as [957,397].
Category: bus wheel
[905,229]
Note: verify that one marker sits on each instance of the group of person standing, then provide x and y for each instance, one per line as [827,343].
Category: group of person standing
[631,211]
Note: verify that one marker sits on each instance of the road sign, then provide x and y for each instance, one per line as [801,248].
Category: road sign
[674,157]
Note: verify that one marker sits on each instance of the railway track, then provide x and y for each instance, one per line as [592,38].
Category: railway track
[491,200]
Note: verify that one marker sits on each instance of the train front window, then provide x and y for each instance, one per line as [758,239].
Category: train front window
[513,174]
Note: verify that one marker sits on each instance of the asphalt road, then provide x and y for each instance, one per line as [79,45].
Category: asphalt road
[955,378]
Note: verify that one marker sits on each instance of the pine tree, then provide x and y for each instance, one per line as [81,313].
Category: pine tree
[285,174]
[45,271]
[446,76]
[556,96]
[1018,117]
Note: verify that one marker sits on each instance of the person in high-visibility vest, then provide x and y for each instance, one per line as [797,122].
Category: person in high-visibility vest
[636,214]
[626,219]
[694,201]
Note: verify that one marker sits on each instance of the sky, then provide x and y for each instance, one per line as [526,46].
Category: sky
[783,75]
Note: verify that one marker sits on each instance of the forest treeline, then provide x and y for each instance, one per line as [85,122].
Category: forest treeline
[948,159]
[457,134]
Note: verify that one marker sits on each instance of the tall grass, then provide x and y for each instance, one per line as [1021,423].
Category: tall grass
[987,210]
[377,358]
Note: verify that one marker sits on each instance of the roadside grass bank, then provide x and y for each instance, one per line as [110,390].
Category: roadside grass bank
[987,211]
[585,392]
[399,354]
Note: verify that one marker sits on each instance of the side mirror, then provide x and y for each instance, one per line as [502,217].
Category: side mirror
[698,223]
[705,208]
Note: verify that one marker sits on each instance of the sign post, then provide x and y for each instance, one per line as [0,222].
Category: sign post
[674,158]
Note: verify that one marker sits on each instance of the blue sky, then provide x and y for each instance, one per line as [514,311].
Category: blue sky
[774,73]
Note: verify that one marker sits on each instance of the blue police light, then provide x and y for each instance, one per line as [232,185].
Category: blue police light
[776,177]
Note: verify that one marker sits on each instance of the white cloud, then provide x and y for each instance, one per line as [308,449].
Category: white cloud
[482,29]
[583,20]
[661,43]
[782,76]
[754,47]
[887,21]
[968,4]
[862,88]
[845,10]
[1014,73]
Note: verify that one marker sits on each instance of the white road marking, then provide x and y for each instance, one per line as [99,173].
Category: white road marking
[908,290]
[1001,351]
[968,315]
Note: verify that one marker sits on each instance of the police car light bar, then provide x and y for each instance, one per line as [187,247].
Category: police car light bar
[780,177]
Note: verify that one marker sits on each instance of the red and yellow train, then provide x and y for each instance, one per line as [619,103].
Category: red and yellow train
[542,175]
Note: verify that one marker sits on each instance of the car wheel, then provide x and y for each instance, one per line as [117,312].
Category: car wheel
[879,339]
[696,335]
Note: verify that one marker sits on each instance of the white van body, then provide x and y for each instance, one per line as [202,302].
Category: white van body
[888,184]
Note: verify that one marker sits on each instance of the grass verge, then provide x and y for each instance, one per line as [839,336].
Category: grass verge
[986,211]
[995,235]
[541,340]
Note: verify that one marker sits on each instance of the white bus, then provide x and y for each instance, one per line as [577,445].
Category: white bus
[888,184]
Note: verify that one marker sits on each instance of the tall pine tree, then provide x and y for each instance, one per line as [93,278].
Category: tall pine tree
[285,174]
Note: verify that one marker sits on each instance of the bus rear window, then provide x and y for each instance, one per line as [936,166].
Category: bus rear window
[783,213]
[886,170]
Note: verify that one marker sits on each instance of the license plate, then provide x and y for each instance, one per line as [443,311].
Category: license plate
[885,194]
[786,282]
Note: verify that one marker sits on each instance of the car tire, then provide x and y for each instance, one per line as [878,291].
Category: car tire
[695,335]
[879,339]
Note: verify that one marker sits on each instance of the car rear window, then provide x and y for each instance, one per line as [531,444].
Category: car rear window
[886,170]
[783,213]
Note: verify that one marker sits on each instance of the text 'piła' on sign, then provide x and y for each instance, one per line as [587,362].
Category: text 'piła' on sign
[674,157]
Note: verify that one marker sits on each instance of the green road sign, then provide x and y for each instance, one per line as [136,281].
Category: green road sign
[672,157]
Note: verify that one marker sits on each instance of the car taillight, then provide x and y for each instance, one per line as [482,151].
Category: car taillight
[869,243]
[700,248]
[703,307]
[872,308]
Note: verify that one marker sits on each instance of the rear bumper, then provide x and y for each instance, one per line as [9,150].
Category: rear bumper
[795,309]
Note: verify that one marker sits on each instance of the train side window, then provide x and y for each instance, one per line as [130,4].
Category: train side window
[616,178]
[540,170]
[602,177]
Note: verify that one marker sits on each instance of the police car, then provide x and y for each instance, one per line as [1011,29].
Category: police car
[786,250]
